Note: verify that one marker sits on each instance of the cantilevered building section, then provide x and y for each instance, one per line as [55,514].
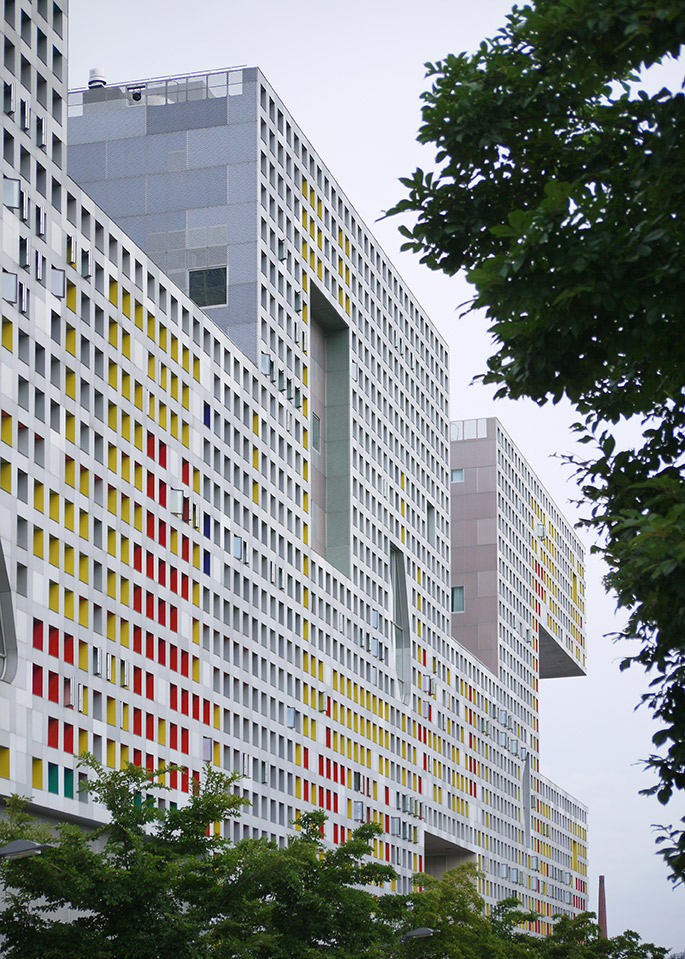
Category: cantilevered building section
[518,606]
[225,487]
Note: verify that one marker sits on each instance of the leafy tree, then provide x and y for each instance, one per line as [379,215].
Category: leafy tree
[156,881]
[453,908]
[133,888]
[561,192]
[578,937]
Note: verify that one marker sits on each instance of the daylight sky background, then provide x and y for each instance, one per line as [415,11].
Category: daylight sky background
[351,75]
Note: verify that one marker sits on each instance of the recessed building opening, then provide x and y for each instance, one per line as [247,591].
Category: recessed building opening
[330,431]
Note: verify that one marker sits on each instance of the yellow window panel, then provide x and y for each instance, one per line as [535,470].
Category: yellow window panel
[185,435]
[69,560]
[7,334]
[69,603]
[186,360]
[151,366]
[37,773]
[111,754]
[124,592]
[138,395]
[112,457]
[71,296]
[82,523]
[126,426]
[113,292]
[196,669]
[139,315]
[112,500]
[111,542]
[126,304]
[112,417]
[111,627]
[38,496]
[82,655]
[6,429]
[151,326]
[111,711]
[126,345]
[38,543]
[70,429]
[162,415]
[113,333]
[196,368]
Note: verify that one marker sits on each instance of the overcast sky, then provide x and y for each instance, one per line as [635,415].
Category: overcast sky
[351,74]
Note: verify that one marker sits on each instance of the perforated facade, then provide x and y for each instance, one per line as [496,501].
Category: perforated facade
[226,532]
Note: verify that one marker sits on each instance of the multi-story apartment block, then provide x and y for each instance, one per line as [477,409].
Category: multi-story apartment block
[225,491]
[518,606]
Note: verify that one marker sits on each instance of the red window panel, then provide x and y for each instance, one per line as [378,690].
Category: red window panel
[173,619]
[150,645]
[336,833]
[306,758]
[420,862]
[161,612]
[161,536]
[328,799]
[173,778]
[185,472]
[196,779]
[137,757]
[149,726]
[184,701]
[138,599]
[173,736]
[173,696]
[196,706]
[173,579]
[53,732]
[150,524]
[387,852]
[185,586]
[53,641]
[305,790]
[138,558]
[321,766]
[328,737]
[161,652]
[335,802]
[137,680]
[185,659]
[161,454]
[150,565]
[68,739]
[137,638]
[161,572]
[53,687]
[137,726]
[173,657]
[185,781]
[68,649]
[150,762]
[185,549]
[184,741]
[342,834]
[38,634]
[150,685]
[162,493]
[206,712]
[150,605]
[387,798]
[150,485]
[151,445]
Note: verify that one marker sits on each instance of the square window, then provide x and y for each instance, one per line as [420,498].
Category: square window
[457,476]
[208,287]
